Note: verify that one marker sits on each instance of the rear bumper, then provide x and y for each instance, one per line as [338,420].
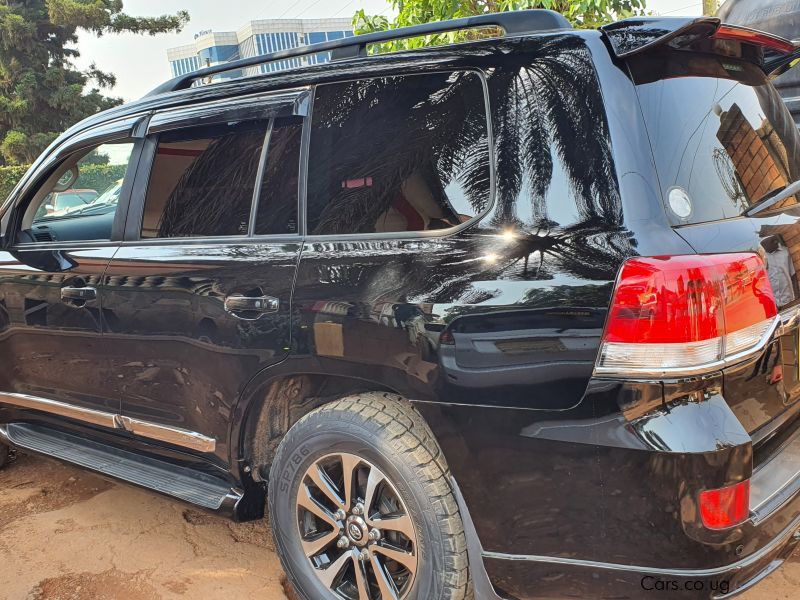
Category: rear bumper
[524,577]
[612,519]
[765,541]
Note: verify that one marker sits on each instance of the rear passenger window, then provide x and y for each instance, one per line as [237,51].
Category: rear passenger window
[398,154]
[202,181]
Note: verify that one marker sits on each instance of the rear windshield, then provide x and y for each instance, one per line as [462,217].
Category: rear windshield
[721,136]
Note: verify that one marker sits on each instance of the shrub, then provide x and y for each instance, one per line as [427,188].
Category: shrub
[99,177]
[9,176]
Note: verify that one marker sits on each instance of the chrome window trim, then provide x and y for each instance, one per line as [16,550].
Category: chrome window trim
[163,433]
[226,240]
[58,245]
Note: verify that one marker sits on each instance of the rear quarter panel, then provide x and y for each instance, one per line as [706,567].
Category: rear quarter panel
[523,292]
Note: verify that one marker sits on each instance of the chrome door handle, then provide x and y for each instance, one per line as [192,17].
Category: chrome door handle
[78,296]
[251,307]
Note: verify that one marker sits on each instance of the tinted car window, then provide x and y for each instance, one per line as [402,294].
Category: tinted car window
[202,181]
[722,138]
[393,154]
[82,204]
[277,204]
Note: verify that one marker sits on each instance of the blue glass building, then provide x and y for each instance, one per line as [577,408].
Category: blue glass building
[254,39]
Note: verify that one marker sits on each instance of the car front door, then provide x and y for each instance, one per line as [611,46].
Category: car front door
[197,299]
[50,271]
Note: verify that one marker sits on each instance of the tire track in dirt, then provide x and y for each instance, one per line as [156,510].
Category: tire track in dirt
[67,534]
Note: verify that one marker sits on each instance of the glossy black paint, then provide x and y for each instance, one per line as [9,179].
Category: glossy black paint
[491,328]
[640,34]
[176,356]
[56,346]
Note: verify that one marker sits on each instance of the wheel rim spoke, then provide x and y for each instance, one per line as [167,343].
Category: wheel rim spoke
[329,574]
[374,479]
[400,523]
[385,584]
[367,525]
[305,500]
[349,464]
[315,546]
[361,580]
[408,560]
[325,485]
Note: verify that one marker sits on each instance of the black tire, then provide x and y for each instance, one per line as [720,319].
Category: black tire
[386,431]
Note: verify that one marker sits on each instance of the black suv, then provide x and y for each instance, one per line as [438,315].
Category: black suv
[514,317]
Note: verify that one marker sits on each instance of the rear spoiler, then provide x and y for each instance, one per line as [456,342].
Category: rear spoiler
[641,34]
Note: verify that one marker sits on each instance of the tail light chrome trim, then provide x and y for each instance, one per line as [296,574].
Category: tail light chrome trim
[692,370]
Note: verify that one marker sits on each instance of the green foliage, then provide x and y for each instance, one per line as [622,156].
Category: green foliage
[92,176]
[41,93]
[101,16]
[99,177]
[585,14]
[9,176]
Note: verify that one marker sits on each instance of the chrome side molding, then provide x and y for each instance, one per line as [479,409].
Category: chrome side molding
[164,433]
[62,409]
[146,429]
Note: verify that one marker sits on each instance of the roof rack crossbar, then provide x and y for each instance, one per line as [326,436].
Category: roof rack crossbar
[513,23]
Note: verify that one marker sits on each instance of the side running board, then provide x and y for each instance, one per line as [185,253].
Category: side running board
[186,484]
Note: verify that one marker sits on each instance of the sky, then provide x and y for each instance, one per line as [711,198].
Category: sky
[140,61]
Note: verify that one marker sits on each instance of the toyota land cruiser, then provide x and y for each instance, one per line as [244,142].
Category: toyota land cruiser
[512,317]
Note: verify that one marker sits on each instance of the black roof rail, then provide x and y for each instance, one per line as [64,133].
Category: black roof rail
[518,22]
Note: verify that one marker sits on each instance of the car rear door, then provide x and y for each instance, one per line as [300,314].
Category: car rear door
[197,299]
[50,271]
[719,157]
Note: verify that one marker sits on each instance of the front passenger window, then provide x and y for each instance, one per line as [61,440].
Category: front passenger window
[81,198]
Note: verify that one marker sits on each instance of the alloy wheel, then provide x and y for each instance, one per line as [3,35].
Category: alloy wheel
[355,529]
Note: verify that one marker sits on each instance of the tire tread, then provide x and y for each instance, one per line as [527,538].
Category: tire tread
[406,432]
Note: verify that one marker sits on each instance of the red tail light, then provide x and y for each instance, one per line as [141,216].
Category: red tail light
[751,36]
[446,338]
[686,314]
[725,507]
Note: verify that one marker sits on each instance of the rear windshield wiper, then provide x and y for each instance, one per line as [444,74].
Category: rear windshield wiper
[772,198]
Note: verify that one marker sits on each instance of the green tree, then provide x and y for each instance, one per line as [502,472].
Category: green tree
[41,92]
[586,14]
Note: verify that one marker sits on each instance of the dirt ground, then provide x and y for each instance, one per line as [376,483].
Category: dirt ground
[66,534]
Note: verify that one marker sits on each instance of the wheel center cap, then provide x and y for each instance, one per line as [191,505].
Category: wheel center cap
[357,530]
